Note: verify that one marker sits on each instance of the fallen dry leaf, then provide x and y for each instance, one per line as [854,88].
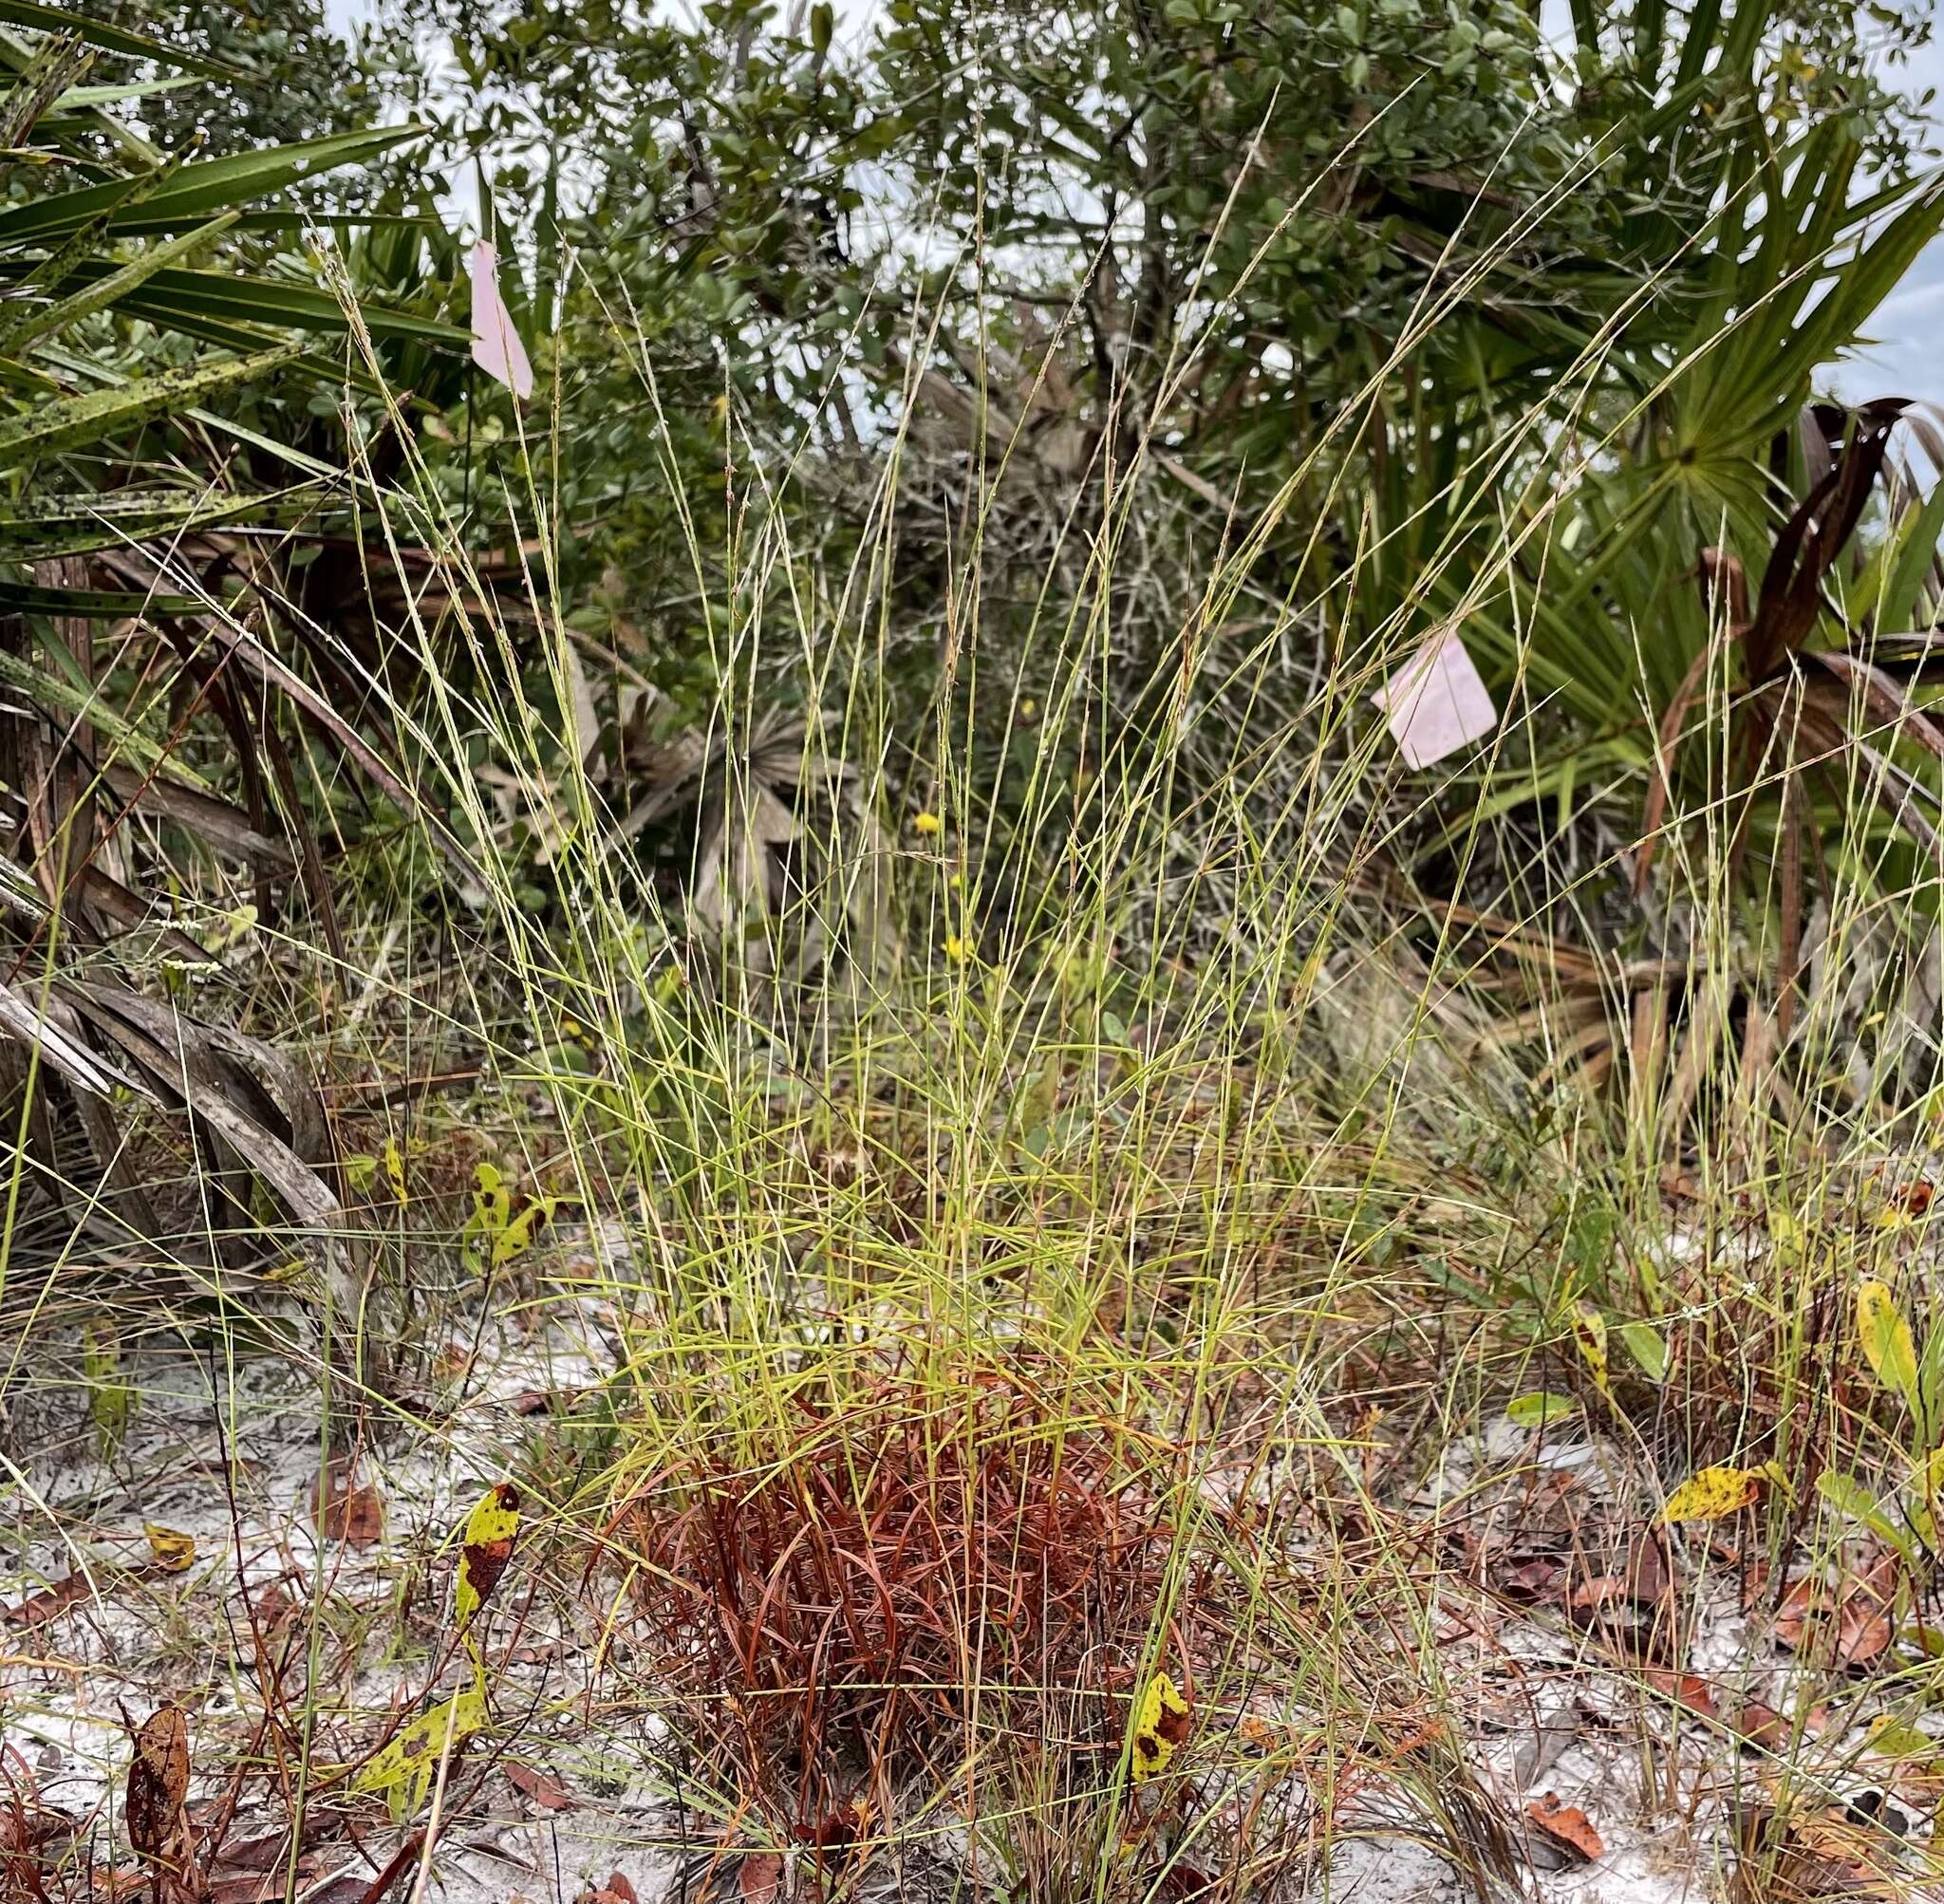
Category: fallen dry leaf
[260,1887]
[761,1878]
[38,1608]
[1688,1689]
[486,1549]
[1566,1826]
[1826,1854]
[349,1510]
[157,1781]
[172,1551]
[1595,1591]
[1161,1726]
[544,1789]
[616,1890]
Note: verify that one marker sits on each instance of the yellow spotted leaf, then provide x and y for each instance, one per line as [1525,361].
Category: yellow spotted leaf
[394,1160]
[172,1551]
[492,1201]
[110,1398]
[485,1550]
[1900,1739]
[1887,1344]
[1714,1494]
[1589,1334]
[518,1236]
[1161,1727]
[403,1771]
[230,929]
[1541,1410]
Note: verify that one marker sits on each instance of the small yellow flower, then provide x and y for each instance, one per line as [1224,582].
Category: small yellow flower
[955,948]
[930,825]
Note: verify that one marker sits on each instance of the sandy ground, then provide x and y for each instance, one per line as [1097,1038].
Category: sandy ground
[101,1624]
[98,1630]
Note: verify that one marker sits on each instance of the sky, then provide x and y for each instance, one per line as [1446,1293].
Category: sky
[1905,360]
[1909,360]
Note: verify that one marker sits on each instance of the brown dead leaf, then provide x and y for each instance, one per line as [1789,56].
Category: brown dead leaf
[1649,1571]
[1531,1580]
[260,1887]
[1688,1689]
[1865,1603]
[1825,1855]
[616,1890]
[1596,1590]
[348,1509]
[157,1781]
[50,1603]
[1566,1826]
[105,1882]
[544,1789]
[761,1878]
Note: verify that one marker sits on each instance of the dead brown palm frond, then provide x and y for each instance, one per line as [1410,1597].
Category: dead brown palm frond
[79,942]
[1772,639]
[130,662]
[1825,725]
[774,844]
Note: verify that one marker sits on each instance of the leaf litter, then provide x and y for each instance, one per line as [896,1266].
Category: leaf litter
[248,1561]
[1581,1614]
